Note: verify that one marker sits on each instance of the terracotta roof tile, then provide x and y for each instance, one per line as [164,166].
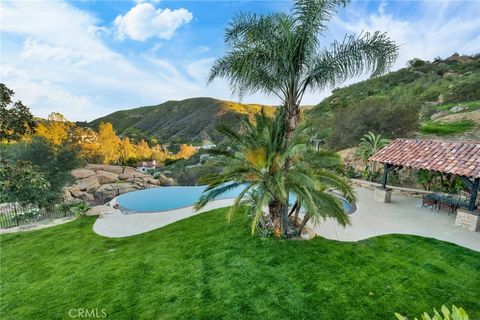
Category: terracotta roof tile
[459,158]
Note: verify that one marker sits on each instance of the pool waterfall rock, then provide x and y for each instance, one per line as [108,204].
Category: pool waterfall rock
[98,183]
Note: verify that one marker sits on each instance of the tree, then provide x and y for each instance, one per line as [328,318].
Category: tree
[57,116]
[253,160]
[370,144]
[144,151]
[109,143]
[21,182]
[15,118]
[281,54]
[126,151]
[56,132]
[186,151]
[54,162]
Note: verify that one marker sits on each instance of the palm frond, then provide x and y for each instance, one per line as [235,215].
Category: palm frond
[374,53]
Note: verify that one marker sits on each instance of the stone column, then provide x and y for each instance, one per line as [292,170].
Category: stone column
[468,219]
[382,195]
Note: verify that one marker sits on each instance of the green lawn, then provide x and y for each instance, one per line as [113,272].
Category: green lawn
[204,268]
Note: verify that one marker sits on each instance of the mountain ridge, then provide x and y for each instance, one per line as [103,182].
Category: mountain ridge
[191,120]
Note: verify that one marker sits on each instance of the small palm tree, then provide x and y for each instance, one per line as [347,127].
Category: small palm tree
[370,144]
[254,160]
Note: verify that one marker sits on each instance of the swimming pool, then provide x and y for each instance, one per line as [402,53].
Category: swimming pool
[170,198]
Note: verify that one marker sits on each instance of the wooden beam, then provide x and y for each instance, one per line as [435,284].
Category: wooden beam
[468,182]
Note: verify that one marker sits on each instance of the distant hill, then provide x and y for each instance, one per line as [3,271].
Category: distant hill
[186,121]
[426,99]
[440,98]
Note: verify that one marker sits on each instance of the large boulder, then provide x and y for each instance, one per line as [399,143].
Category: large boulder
[112,190]
[75,191]
[106,177]
[129,169]
[457,109]
[82,173]
[67,196]
[133,175]
[99,211]
[165,181]
[86,196]
[88,184]
[105,167]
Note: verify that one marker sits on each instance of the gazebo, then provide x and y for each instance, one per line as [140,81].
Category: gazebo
[458,158]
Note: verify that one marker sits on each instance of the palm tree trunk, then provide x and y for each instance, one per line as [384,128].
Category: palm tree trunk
[292,117]
[293,208]
[303,224]
[295,219]
[275,209]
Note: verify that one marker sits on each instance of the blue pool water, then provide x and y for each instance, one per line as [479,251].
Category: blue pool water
[170,198]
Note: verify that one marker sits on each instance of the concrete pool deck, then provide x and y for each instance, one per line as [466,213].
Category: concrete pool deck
[403,215]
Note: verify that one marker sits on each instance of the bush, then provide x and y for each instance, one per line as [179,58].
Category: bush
[455,314]
[447,128]
[53,162]
[380,115]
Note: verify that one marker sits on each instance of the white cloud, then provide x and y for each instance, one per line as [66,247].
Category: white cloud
[435,32]
[54,57]
[144,21]
[203,48]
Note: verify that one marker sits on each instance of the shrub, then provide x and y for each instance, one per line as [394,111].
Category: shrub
[444,128]
[376,114]
[79,208]
[455,314]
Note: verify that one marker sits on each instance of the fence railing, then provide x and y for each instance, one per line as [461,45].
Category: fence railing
[14,215]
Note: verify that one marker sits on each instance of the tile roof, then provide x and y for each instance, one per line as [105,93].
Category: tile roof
[459,158]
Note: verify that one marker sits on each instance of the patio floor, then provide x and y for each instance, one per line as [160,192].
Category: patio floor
[403,215]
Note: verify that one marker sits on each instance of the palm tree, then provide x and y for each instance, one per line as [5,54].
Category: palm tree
[281,54]
[254,160]
[370,144]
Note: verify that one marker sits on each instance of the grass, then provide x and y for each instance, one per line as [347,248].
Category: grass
[444,128]
[204,268]
[468,105]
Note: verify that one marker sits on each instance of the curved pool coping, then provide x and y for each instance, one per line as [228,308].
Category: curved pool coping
[402,216]
[125,210]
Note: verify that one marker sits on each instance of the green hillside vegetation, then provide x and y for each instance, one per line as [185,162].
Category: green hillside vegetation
[187,121]
[407,102]
[442,129]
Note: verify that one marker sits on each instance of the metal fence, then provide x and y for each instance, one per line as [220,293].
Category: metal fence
[14,215]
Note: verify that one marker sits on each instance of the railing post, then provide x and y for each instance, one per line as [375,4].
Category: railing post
[16,215]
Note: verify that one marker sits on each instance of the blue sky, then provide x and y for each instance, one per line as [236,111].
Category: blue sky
[89,58]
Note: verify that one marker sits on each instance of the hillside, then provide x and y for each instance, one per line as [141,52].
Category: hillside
[425,99]
[187,121]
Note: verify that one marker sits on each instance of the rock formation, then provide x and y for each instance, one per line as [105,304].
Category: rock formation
[98,183]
